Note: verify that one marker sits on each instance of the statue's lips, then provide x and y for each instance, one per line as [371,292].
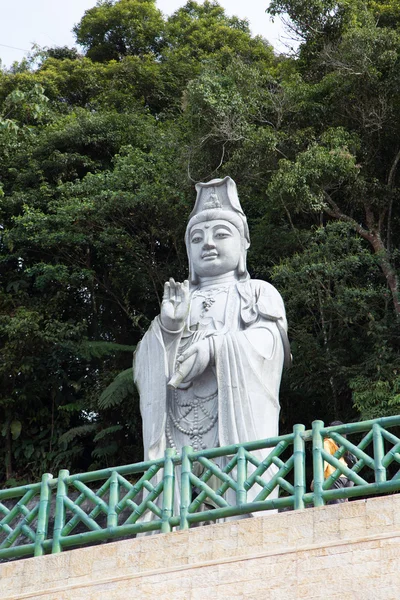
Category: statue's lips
[210,256]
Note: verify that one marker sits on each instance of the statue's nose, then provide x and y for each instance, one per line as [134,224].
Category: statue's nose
[208,242]
[208,245]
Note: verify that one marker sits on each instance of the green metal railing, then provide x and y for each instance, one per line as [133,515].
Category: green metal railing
[104,505]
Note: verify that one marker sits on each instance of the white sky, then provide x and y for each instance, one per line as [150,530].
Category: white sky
[49,22]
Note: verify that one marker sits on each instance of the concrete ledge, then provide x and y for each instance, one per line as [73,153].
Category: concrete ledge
[349,550]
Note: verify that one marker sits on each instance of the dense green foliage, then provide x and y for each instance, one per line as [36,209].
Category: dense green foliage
[98,155]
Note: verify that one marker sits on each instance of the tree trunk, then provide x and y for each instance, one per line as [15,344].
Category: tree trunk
[387,269]
[8,458]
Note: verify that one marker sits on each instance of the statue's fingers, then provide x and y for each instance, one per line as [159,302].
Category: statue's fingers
[189,369]
[178,292]
[185,290]
[172,287]
[185,355]
[166,292]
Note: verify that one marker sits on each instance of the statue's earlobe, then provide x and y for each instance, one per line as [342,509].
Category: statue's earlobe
[193,278]
[241,269]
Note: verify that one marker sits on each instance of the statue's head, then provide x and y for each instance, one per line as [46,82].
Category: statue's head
[217,235]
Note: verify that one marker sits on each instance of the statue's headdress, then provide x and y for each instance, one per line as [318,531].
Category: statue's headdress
[218,199]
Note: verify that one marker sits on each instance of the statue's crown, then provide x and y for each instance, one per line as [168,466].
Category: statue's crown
[219,195]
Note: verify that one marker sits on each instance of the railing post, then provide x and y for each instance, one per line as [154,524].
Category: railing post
[168,490]
[241,493]
[186,491]
[112,516]
[318,463]
[43,516]
[379,453]
[59,517]
[299,456]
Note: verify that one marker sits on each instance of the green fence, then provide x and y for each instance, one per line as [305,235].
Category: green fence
[192,487]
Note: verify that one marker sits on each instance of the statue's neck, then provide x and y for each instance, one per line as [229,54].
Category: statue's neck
[225,279]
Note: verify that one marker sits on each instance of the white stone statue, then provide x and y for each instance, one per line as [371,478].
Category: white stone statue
[209,368]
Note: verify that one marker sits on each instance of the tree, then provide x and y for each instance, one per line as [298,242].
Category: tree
[341,336]
[355,179]
[82,265]
[112,30]
[344,168]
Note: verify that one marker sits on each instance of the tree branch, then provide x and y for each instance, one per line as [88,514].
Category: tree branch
[335,212]
[391,177]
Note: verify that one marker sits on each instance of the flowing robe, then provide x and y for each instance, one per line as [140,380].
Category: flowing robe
[249,352]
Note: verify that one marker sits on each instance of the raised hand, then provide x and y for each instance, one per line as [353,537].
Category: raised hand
[175,305]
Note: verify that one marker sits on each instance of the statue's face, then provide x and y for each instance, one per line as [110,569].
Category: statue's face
[215,248]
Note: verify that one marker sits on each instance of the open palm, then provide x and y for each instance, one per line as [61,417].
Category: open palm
[175,304]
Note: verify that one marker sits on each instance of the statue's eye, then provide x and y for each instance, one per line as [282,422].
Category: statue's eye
[220,235]
[196,239]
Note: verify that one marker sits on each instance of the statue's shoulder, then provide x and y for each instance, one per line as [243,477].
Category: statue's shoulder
[261,299]
[258,288]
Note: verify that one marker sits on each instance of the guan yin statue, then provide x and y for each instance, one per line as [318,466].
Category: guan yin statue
[209,368]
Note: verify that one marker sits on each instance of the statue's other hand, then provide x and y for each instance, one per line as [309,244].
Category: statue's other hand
[200,352]
[191,363]
[175,305]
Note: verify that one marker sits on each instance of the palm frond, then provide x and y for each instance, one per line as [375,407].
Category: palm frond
[108,431]
[75,432]
[99,349]
[118,391]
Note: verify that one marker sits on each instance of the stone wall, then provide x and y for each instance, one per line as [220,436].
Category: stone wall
[349,551]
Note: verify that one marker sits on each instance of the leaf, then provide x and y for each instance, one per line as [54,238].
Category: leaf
[71,407]
[75,432]
[108,431]
[15,428]
[104,451]
[29,450]
[99,349]
[118,391]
